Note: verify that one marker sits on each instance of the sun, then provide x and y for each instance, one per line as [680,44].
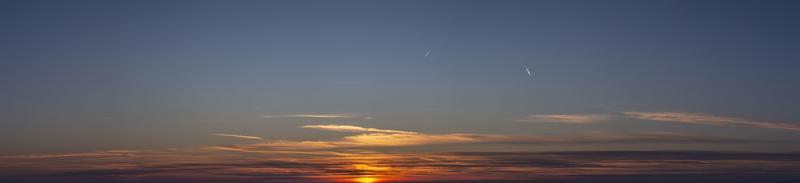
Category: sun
[366,180]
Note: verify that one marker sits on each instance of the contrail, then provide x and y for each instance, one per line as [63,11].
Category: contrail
[427,53]
[528,70]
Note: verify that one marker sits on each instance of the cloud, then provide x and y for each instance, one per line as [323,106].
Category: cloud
[238,136]
[252,150]
[566,118]
[373,137]
[348,158]
[677,117]
[708,119]
[565,166]
[321,116]
[98,154]
[350,128]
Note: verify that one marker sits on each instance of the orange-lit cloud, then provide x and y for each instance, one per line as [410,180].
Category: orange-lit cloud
[566,118]
[367,167]
[238,136]
[373,137]
[350,158]
[708,119]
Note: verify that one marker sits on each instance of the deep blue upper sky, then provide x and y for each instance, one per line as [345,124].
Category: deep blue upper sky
[109,74]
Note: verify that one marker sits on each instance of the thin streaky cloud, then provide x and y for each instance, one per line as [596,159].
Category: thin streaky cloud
[676,117]
[372,137]
[565,118]
[708,119]
[358,129]
[321,116]
[249,150]
[238,136]
[106,153]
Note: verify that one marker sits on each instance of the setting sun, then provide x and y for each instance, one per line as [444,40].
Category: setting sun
[366,180]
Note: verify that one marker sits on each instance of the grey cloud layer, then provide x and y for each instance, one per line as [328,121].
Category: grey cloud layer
[210,166]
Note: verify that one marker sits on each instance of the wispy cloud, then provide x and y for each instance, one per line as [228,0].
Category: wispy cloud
[677,117]
[349,158]
[565,118]
[358,129]
[238,136]
[321,116]
[708,119]
[106,153]
[373,137]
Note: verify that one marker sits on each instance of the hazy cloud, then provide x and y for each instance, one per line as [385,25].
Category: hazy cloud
[708,119]
[350,128]
[238,136]
[677,117]
[565,118]
[373,137]
[321,116]
[346,159]
[107,153]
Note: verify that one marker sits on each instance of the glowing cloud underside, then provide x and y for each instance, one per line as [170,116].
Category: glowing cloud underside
[373,137]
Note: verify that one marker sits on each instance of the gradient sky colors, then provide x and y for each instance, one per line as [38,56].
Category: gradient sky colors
[263,89]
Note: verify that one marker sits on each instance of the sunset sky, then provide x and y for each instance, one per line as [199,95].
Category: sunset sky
[393,91]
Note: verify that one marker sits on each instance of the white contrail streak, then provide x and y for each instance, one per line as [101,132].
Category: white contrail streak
[528,70]
[427,53]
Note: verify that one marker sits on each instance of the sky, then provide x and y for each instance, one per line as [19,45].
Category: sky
[359,86]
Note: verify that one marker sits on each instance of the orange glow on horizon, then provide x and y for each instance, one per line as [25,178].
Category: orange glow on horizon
[365,167]
[366,180]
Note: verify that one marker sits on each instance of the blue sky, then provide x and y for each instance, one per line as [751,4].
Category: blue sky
[92,75]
